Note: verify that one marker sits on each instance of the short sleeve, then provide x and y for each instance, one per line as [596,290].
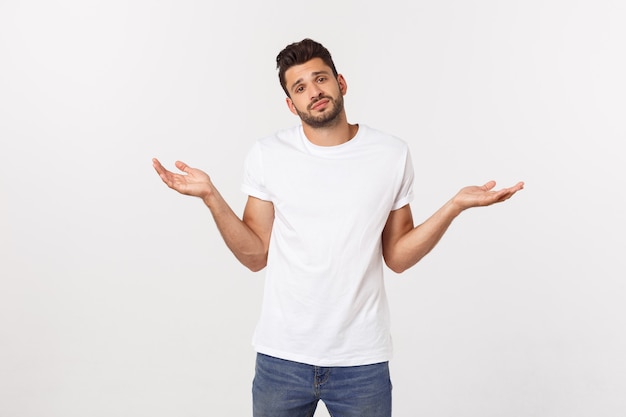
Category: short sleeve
[405,191]
[253,180]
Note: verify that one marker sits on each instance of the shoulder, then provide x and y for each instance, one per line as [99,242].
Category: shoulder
[383,139]
[278,141]
[280,138]
[276,147]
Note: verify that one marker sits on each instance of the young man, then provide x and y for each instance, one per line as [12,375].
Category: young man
[328,202]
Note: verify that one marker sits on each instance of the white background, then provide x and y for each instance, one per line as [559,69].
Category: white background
[118,296]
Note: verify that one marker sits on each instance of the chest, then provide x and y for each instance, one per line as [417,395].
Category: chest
[314,186]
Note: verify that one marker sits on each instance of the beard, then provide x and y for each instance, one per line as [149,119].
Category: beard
[325,119]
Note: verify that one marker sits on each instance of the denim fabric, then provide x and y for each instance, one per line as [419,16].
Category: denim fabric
[284,388]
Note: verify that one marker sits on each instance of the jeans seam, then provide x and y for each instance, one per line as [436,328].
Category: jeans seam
[322,375]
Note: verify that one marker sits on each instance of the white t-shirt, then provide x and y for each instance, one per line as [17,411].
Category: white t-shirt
[324,302]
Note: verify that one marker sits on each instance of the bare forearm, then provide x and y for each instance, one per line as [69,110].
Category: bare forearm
[412,246]
[243,242]
[404,245]
[248,239]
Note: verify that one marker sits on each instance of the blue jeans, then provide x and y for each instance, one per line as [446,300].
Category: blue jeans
[284,388]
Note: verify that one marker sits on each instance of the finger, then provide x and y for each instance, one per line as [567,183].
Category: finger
[158,167]
[509,193]
[182,166]
[504,196]
[166,176]
[512,190]
[489,185]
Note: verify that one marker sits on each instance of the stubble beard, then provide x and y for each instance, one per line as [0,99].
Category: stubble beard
[325,119]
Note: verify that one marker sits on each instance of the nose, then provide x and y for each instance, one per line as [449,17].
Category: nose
[315,92]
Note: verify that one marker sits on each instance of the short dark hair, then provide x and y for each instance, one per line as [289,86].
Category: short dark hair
[298,53]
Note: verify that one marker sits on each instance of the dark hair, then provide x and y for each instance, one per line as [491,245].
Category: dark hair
[298,53]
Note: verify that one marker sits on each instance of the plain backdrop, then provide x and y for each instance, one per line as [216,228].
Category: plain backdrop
[118,296]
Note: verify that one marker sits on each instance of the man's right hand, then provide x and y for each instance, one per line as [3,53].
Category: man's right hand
[194,182]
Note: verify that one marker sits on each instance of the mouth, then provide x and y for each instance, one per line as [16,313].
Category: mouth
[317,105]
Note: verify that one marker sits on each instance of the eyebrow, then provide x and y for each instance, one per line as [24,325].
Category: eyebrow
[313,74]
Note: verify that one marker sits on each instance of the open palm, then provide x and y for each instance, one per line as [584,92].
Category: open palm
[193,182]
[477,196]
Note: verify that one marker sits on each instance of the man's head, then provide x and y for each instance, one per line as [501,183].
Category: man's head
[298,53]
[314,89]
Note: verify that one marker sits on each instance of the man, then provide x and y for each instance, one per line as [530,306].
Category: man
[328,202]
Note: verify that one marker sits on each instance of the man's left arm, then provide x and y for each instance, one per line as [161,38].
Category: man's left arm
[404,245]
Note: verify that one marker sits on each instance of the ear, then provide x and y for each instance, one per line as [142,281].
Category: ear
[343,85]
[292,107]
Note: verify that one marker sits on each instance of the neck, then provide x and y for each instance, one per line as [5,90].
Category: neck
[332,135]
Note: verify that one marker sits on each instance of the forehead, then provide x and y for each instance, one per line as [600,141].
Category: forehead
[306,70]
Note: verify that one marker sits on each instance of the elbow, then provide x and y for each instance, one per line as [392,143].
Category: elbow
[400,262]
[256,267]
[398,269]
[255,264]
[395,265]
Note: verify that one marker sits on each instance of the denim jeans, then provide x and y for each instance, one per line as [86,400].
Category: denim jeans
[284,388]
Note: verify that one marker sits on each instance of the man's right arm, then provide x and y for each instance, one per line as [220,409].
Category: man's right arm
[247,238]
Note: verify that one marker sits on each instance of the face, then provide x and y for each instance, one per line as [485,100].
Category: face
[316,96]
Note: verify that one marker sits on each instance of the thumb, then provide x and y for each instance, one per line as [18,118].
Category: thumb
[182,166]
[489,185]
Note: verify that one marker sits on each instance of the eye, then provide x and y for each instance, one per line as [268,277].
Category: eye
[321,79]
[299,89]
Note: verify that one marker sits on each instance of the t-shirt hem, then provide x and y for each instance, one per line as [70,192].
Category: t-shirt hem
[402,202]
[253,192]
[343,361]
